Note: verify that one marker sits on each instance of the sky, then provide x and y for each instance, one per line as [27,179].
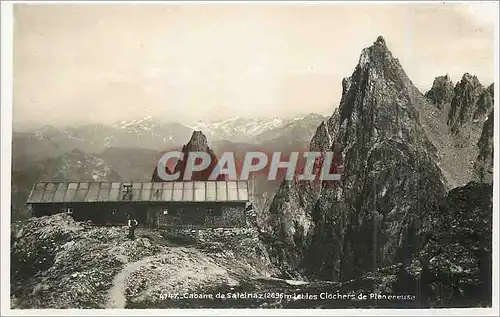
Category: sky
[101,63]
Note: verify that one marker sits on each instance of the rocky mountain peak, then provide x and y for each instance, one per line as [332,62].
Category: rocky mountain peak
[378,56]
[484,103]
[369,218]
[441,92]
[470,102]
[381,77]
[380,40]
[321,141]
[491,89]
[378,51]
[198,142]
[469,79]
[484,162]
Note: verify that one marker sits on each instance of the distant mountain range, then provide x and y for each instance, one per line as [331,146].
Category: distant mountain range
[74,165]
[257,131]
[153,134]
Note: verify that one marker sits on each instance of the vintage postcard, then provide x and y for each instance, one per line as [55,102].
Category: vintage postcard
[283,157]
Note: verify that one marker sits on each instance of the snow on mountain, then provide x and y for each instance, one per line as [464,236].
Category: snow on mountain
[155,134]
[300,128]
[144,133]
[246,129]
[237,129]
[138,125]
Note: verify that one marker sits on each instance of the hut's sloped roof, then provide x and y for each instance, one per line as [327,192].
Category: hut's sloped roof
[195,191]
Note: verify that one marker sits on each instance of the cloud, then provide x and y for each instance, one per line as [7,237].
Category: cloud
[214,61]
[484,13]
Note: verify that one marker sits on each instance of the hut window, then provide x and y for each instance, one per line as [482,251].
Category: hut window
[127,192]
[165,211]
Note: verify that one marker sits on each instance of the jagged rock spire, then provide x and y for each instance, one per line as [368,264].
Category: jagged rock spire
[321,141]
[441,92]
[471,101]
[380,40]
[369,218]
[197,143]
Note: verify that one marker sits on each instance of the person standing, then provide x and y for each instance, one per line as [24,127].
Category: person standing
[132,224]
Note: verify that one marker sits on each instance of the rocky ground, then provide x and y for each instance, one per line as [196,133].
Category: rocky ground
[59,263]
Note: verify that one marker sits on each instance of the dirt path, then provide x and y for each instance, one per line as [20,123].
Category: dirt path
[289,282]
[172,271]
[116,295]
